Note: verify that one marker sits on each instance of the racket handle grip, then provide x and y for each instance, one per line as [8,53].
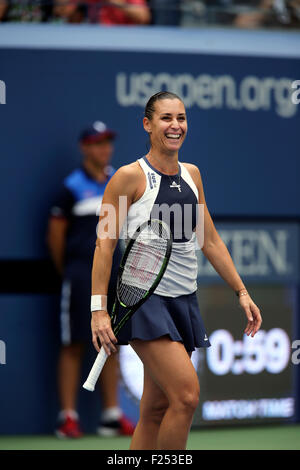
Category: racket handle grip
[100,360]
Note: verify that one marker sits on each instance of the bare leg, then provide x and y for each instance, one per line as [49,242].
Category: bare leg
[68,375]
[171,369]
[153,406]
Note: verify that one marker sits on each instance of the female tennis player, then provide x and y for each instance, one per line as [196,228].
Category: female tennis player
[168,326]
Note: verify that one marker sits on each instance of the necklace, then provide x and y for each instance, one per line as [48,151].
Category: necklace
[173,182]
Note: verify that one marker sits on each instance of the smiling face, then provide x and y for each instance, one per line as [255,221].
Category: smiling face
[168,125]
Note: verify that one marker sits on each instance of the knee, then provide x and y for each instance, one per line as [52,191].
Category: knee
[154,411]
[190,400]
[187,400]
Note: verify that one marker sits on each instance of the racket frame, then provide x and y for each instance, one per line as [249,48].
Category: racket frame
[117,302]
[102,356]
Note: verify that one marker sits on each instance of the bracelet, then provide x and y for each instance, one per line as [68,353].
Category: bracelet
[98,302]
[237,293]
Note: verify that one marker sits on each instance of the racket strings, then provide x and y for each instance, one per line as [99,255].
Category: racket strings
[143,263]
[130,295]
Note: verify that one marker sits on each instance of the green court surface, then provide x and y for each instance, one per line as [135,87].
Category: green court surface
[252,438]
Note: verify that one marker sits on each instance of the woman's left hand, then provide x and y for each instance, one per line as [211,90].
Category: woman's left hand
[252,313]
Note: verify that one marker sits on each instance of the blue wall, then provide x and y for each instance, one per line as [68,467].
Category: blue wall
[28,325]
[243,127]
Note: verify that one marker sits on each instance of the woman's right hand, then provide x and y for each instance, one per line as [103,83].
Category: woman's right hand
[101,328]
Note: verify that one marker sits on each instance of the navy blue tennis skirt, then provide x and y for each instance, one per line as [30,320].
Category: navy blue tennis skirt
[178,317]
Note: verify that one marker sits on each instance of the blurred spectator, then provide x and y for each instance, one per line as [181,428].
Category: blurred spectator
[166,12]
[196,13]
[253,13]
[224,12]
[271,13]
[69,11]
[118,12]
[25,11]
[254,19]
[3,9]
[71,240]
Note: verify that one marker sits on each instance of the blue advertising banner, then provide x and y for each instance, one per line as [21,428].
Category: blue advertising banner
[243,122]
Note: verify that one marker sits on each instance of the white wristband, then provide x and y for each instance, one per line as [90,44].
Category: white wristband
[98,302]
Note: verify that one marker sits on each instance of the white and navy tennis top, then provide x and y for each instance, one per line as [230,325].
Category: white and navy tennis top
[176,198]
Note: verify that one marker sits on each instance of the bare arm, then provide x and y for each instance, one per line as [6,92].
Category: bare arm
[3,8]
[112,215]
[218,255]
[56,241]
[254,19]
[140,14]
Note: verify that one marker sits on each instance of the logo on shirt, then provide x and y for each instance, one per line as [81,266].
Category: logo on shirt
[176,185]
[152,179]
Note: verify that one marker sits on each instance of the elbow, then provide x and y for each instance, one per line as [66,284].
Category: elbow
[209,246]
[205,249]
[105,246]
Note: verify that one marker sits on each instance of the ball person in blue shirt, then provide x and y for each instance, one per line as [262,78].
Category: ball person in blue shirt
[71,240]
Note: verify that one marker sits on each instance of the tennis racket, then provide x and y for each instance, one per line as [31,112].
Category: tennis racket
[142,267]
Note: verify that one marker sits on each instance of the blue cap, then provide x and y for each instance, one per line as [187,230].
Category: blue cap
[95,133]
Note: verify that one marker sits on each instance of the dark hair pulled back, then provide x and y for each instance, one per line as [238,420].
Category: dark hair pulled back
[161,95]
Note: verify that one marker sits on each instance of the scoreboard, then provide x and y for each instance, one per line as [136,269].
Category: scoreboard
[245,379]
